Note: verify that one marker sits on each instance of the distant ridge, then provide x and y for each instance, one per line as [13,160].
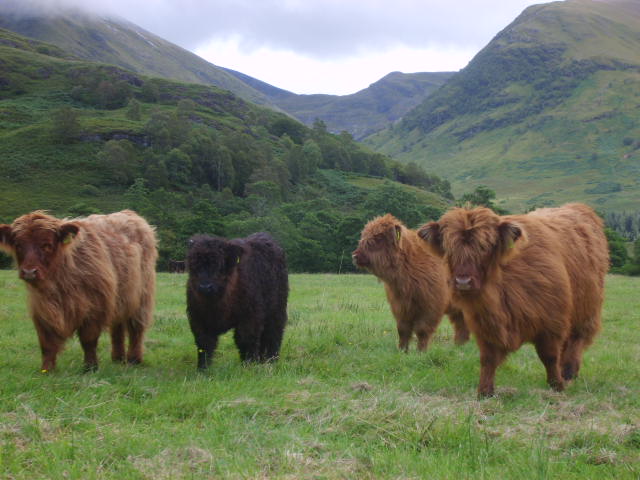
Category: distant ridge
[547,112]
[362,113]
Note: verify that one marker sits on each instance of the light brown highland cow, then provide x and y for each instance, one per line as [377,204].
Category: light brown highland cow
[86,275]
[415,280]
[535,278]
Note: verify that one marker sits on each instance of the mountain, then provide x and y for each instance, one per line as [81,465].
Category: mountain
[79,137]
[107,39]
[362,113]
[547,112]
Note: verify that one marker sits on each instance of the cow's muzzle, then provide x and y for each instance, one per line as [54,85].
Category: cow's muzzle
[359,259]
[464,283]
[29,274]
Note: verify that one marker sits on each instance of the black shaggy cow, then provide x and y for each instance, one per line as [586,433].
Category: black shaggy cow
[240,284]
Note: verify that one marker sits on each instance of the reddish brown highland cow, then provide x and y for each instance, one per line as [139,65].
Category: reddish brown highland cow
[535,278]
[415,280]
[86,275]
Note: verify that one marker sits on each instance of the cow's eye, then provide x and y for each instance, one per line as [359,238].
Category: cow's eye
[47,247]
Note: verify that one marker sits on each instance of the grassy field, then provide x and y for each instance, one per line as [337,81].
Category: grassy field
[341,403]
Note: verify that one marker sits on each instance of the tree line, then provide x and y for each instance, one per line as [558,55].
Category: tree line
[194,159]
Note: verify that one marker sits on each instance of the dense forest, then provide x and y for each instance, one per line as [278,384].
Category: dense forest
[623,233]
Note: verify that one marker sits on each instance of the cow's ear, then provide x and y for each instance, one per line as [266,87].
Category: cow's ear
[431,234]
[6,239]
[510,236]
[68,232]
[398,233]
[234,254]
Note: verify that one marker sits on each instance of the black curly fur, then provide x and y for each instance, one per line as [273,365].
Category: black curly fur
[240,284]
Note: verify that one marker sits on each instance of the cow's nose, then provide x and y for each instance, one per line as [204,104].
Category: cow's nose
[205,287]
[463,282]
[358,259]
[29,273]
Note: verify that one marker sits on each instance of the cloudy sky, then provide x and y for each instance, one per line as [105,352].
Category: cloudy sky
[322,46]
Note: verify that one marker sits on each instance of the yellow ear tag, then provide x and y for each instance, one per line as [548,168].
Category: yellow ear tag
[200,350]
[238,260]
[398,234]
[511,243]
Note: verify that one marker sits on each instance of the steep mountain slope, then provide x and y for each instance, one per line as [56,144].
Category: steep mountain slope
[362,113]
[546,112]
[119,42]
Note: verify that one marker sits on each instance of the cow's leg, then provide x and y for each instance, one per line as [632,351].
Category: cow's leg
[117,343]
[135,329]
[206,342]
[206,345]
[50,346]
[248,342]
[572,356]
[461,332]
[548,349]
[405,330]
[490,358]
[138,324]
[424,329]
[271,338]
[88,336]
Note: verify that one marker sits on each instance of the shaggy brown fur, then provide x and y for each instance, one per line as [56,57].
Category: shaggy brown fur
[535,278]
[86,275]
[415,280]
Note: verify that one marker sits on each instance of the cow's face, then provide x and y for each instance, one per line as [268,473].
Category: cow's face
[36,241]
[379,244]
[472,242]
[210,262]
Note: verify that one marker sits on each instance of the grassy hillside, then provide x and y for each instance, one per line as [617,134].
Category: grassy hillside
[34,84]
[363,113]
[546,113]
[342,402]
[119,42]
[79,137]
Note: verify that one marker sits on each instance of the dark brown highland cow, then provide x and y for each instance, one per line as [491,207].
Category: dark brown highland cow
[86,275]
[415,280]
[240,284]
[535,278]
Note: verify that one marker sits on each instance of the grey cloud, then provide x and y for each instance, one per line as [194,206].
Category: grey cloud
[315,28]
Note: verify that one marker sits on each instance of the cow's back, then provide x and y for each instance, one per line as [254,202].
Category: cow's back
[129,254]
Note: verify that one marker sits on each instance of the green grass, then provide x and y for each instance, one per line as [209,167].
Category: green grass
[342,402]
